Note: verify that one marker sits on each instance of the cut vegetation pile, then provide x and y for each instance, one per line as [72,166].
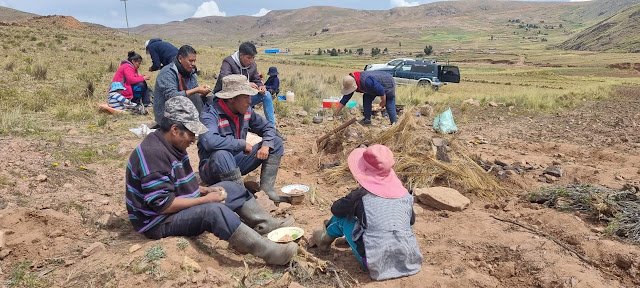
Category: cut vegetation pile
[619,208]
[417,165]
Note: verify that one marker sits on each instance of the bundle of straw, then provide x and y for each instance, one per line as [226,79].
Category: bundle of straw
[417,167]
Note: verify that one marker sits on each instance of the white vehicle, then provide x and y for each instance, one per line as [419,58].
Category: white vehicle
[389,65]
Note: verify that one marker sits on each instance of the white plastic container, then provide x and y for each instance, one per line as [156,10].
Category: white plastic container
[290,96]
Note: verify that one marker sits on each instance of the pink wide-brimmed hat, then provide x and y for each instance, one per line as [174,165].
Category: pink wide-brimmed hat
[373,169]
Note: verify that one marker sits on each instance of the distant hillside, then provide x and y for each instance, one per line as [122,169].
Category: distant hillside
[8,14]
[618,33]
[599,9]
[342,26]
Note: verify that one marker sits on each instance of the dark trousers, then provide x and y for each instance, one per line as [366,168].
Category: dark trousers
[367,105]
[216,218]
[141,92]
[223,161]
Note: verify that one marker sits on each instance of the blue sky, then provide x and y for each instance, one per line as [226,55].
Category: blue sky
[111,12]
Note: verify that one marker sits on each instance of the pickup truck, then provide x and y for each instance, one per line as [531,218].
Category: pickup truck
[423,72]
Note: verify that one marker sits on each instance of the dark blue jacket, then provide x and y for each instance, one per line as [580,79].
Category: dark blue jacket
[162,53]
[223,131]
[375,83]
[273,83]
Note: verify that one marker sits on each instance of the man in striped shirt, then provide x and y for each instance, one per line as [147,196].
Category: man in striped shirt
[164,199]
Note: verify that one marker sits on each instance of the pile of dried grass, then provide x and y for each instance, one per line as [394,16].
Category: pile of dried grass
[619,208]
[417,167]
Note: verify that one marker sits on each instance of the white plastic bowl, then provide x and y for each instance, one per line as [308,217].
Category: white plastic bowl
[287,189]
[275,235]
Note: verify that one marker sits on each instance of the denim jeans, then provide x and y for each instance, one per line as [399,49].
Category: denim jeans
[223,161]
[367,103]
[213,217]
[267,105]
[339,227]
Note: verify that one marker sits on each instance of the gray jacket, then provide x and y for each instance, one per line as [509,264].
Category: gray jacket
[230,67]
[168,86]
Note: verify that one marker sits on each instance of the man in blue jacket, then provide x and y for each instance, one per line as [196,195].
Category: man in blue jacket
[372,84]
[224,152]
[162,53]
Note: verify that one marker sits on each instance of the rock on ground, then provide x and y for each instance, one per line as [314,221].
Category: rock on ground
[190,264]
[442,198]
[94,248]
[555,171]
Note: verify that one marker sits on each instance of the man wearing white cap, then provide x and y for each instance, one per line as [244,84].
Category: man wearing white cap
[162,53]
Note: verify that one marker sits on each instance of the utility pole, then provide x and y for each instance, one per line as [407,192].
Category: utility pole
[126,16]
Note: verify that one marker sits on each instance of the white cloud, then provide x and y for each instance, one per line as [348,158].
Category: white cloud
[403,3]
[176,9]
[261,13]
[209,9]
[114,14]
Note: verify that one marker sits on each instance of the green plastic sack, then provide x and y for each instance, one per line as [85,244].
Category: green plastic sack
[444,123]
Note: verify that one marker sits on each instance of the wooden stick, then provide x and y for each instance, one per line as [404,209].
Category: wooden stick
[564,245]
[334,131]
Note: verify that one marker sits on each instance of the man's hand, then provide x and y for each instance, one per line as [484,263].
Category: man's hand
[218,196]
[383,101]
[248,148]
[150,69]
[262,89]
[253,85]
[206,190]
[204,90]
[263,153]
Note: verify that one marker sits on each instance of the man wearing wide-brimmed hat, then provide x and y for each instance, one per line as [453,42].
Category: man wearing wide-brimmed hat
[224,152]
[164,199]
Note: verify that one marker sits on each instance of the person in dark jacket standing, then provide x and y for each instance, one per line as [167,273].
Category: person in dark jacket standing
[243,62]
[179,78]
[273,83]
[163,197]
[372,84]
[162,53]
[224,152]
[375,218]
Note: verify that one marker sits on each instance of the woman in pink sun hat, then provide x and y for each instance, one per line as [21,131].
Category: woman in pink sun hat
[375,218]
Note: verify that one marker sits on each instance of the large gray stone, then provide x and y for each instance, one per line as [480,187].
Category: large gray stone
[554,170]
[442,198]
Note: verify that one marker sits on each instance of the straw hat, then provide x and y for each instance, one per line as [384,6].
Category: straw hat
[234,85]
[372,168]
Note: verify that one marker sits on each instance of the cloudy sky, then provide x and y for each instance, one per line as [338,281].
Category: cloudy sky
[111,12]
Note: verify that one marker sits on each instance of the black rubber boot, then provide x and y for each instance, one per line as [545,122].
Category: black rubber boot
[259,219]
[233,175]
[268,174]
[246,240]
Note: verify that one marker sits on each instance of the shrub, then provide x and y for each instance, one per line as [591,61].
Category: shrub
[39,72]
[9,66]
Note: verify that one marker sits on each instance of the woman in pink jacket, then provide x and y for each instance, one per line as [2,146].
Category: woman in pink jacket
[135,84]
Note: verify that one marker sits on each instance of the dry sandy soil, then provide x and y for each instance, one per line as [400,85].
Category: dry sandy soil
[52,221]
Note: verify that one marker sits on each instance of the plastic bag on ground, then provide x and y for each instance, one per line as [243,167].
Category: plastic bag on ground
[142,131]
[444,123]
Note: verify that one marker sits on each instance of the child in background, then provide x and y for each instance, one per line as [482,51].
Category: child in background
[116,100]
[375,218]
[273,83]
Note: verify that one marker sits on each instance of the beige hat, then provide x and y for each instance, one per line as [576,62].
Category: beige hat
[348,85]
[234,85]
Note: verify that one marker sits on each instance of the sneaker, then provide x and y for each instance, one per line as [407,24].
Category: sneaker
[365,122]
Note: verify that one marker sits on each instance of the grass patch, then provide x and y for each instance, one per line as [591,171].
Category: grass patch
[21,276]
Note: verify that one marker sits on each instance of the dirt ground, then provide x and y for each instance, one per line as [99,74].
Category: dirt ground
[51,222]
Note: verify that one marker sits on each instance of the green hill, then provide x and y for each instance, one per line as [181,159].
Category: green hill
[618,33]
